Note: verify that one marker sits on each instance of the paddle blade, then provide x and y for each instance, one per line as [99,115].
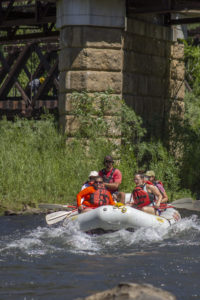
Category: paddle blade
[56,217]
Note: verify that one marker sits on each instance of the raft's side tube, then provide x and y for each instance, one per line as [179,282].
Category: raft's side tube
[116,218]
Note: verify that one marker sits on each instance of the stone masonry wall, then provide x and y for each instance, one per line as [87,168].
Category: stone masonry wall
[90,60]
[140,63]
[153,73]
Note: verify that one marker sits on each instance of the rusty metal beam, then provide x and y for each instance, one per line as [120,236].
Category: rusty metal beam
[8,10]
[48,80]
[161,6]
[41,12]
[43,36]
[27,21]
[184,21]
[13,74]
[193,32]
[7,63]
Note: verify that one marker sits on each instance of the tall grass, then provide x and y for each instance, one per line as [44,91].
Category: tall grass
[38,165]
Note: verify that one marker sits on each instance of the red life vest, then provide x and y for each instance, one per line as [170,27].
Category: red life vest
[141,198]
[148,182]
[160,182]
[109,178]
[100,197]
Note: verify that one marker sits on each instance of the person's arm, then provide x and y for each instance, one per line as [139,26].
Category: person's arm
[161,189]
[117,178]
[82,194]
[111,201]
[112,186]
[164,197]
[157,194]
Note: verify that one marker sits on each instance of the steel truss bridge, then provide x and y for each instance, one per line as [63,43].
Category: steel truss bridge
[29,45]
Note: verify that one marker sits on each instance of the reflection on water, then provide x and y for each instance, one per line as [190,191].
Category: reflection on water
[41,262]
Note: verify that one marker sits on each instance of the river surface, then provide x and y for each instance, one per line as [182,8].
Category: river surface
[41,262]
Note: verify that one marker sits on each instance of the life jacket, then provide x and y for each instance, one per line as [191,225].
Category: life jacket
[99,197]
[160,182]
[105,178]
[141,197]
[88,182]
[157,183]
[149,182]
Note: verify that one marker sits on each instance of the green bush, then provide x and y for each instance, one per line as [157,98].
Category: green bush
[192,63]
[38,165]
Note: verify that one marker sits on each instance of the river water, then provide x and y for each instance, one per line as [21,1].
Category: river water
[42,262]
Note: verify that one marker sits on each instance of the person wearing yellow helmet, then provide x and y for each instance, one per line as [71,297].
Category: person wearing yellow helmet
[42,80]
[35,84]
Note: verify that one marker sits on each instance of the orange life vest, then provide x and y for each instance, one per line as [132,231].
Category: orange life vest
[99,197]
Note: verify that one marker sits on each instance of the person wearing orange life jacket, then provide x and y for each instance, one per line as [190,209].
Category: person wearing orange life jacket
[150,176]
[146,196]
[94,196]
[92,176]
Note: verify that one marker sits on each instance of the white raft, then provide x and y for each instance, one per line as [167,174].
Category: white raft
[111,218]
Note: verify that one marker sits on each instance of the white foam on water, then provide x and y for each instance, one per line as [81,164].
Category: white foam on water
[31,244]
[186,232]
[79,241]
[46,240]
[186,224]
[69,238]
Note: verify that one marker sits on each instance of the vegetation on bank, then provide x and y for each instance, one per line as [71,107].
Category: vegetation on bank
[37,165]
[189,130]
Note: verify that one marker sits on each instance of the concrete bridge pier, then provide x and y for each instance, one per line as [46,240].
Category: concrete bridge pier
[91,56]
[138,56]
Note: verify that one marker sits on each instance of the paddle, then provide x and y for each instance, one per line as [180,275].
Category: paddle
[187,203]
[56,206]
[58,216]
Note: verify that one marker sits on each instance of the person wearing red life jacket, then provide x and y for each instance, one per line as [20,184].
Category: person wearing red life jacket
[146,196]
[150,176]
[112,178]
[94,196]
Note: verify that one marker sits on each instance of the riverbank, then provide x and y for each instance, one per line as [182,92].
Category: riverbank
[186,206]
[37,165]
[43,208]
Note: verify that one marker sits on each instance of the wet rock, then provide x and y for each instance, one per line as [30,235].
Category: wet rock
[31,211]
[10,212]
[132,291]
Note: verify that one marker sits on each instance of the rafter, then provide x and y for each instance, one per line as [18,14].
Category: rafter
[162,6]
[14,12]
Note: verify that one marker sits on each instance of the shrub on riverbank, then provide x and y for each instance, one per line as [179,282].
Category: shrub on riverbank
[37,165]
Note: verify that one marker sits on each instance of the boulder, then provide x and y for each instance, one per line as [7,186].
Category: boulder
[132,291]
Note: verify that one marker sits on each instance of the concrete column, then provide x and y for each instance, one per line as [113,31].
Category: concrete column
[91,50]
[106,13]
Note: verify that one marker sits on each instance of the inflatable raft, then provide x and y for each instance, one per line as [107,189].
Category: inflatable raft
[112,218]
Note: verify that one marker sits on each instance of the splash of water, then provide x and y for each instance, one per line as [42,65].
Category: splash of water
[45,240]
